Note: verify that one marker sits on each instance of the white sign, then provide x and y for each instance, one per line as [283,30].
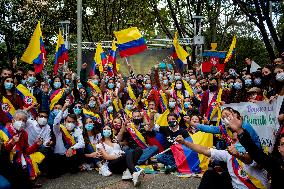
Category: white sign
[263,117]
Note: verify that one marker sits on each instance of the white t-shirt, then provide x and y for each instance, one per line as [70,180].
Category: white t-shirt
[110,150]
[223,155]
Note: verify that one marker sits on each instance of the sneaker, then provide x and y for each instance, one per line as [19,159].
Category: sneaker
[104,171]
[137,177]
[126,175]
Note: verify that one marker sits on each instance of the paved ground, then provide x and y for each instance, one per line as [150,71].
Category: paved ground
[92,180]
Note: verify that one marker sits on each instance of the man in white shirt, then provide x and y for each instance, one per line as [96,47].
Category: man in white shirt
[243,176]
[39,129]
[252,66]
[69,146]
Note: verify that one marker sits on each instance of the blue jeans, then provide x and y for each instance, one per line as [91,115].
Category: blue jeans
[147,154]
[167,159]
[88,150]
[4,183]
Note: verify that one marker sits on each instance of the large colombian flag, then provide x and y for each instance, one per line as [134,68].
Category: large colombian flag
[189,161]
[130,42]
[178,53]
[35,52]
[61,55]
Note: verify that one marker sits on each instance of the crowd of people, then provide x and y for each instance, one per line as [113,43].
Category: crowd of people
[78,123]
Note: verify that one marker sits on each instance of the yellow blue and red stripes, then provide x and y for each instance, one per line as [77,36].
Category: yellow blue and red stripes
[61,55]
[130,42]
[187,160]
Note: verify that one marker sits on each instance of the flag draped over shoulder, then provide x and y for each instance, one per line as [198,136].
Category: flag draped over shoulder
[100,59]
[189,161]
[231,50]
[35,52]
[178,53]
[130,41]
[61,55]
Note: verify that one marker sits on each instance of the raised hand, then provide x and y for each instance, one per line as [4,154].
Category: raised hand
[180,139]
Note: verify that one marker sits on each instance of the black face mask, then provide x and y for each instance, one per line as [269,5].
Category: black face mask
[137,121]
[204,87]
[213,88]
[140,81]
[172,123]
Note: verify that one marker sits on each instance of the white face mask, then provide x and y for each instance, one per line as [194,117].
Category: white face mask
[42,121]
[225,121]
[179,86]
[70,126]
[19,125]
[280,76]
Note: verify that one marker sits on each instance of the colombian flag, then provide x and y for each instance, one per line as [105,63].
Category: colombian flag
[61,55]
[94,87]
[130,42]
[100,59]
[35,52]
[7,108]
[178,53]
[27,97]
[112,69]
[55,96]
[137,137]
[159,140]
[189,161]
[92,115]
[231,50]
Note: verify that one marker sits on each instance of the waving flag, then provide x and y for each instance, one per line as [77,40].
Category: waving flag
[100,58]
[27,97]
[178,53]
[55,96]
[92,115]
[7,108]
[231,50]
[130,42]
[189,161]
[61,55]
[112,69]
[35,52]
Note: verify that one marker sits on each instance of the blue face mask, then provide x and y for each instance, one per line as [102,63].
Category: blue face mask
[110,85]
[110,109]
[248,82]
[237,85]
[257,81]
[177,77]
[89,126]
[95,81]
[165,82]
[186,104]
[240,148]
[55,112]
[172,104]
[67,81]
[8,86]
[77,111]
[57,84]
[129,106]
[106,133]
[31,80]
[79,86]
[148,86]
[92,104]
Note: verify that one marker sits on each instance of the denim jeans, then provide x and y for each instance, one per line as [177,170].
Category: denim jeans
[167,159]
[4,183]
[147,154]
[88,150]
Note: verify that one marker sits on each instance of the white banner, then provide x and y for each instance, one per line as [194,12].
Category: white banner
[263,117]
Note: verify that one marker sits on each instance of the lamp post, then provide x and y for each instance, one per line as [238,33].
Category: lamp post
[79,36]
